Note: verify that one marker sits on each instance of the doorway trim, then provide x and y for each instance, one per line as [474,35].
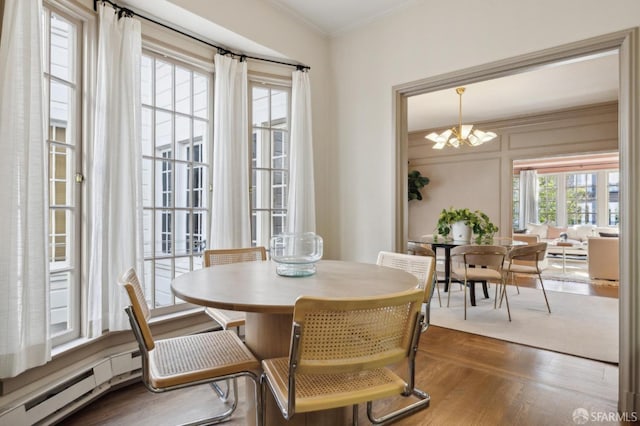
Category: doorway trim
[628,44]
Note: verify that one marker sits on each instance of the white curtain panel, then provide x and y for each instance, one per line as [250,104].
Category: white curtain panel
[24,280]
[116,241]
[230,215]
[528,197]
[301,215]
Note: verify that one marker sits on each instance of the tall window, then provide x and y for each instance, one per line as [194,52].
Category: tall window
[581,198]
[613,198]
[515,196]
[269,161]
[547,199]
[175,148]
[61,46]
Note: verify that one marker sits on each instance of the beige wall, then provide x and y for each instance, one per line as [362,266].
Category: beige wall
[422,41]
[480,178]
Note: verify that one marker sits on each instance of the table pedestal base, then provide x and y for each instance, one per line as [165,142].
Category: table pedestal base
[269,336]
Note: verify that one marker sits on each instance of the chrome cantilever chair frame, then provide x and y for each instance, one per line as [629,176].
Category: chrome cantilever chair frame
[164,374]
[348,365]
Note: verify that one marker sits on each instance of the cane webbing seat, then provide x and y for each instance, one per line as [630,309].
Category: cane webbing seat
[340,354]
[422,266]
[227,318]
[183,361]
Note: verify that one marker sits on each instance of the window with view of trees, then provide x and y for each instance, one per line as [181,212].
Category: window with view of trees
[547,199]
[590,197]
[581,198]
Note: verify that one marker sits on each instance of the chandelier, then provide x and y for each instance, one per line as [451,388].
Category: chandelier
[462,134]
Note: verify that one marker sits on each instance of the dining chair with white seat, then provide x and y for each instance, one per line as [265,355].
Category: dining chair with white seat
[422,266]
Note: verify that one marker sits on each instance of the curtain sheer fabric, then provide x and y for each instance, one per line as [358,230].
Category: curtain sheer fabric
[116,242]
[24,276]
[230,214]
[301,215]
[528,197]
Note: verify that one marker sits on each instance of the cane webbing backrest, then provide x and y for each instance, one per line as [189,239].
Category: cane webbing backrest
[129,280]
[225,256]
[423,267]
[345,335]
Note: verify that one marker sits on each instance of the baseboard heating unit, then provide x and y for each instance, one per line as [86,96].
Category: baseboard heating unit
[56,401]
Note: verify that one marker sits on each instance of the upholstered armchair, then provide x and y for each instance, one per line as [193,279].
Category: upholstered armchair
[604,258]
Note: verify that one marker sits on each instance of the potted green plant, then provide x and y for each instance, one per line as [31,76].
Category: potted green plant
[478,222]
[416,183]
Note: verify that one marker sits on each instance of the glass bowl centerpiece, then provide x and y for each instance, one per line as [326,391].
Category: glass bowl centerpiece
[296,254]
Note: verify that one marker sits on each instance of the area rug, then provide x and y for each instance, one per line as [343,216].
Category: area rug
[585,326]
[573,271]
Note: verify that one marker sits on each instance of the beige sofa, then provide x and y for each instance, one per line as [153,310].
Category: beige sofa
[604,259]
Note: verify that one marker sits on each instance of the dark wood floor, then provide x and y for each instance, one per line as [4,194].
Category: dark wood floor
[472,380]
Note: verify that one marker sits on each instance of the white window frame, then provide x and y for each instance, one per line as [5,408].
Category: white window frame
[70,296]
[154,260]
[263,188]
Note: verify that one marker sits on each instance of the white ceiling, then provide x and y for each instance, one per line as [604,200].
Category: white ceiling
[571,84]
[589,80]
[332,17]
[577,82]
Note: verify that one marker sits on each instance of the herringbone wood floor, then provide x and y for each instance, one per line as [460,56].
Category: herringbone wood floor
[472,380]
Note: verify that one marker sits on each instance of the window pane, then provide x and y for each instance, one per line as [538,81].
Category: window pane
[163,277]
[200,96]
[183,90]
[260,111]
[280,150]
[200,135]
[61,227]
[146,134]
[614,198]
[62,53]
[61,166]
[547,199]
[61,112]
[279,109]
[164,85]
[183,138]
[60,299]
[581,198]
[183,185]
[164,132]
[146,80]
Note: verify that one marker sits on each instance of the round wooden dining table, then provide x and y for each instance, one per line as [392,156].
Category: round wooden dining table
[268,299]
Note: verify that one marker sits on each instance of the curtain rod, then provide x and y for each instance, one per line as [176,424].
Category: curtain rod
[221,50]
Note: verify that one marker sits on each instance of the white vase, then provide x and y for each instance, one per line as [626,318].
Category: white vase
[461,231]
